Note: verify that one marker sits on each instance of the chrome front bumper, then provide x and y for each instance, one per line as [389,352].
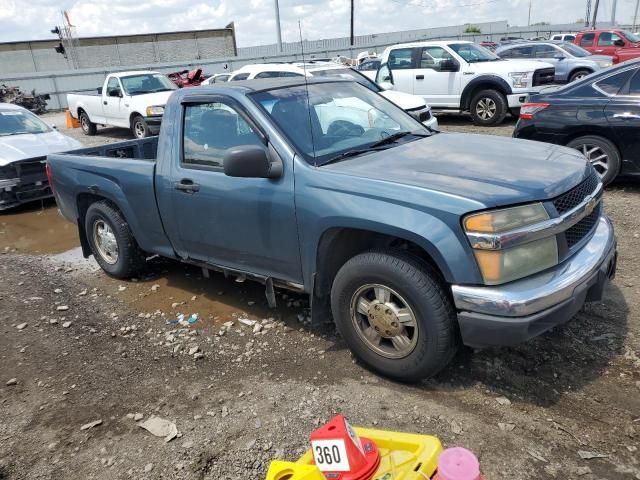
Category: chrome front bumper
[514,312]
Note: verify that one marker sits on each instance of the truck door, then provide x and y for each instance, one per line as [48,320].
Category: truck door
[587,41]
[402,63]
[437,78]
[606,43]
[112,99]
[247,224]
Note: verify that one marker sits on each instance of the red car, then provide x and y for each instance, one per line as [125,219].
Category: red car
[187,78]
[619,44]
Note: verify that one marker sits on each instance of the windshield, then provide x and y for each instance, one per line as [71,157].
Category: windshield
[632,37]
[343,118]
[20,122]
[574,50]
[348,73]
[146,83]
[473,53]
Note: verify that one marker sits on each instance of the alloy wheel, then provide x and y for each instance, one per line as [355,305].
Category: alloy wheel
[105,241]
[596,156]
[486,108]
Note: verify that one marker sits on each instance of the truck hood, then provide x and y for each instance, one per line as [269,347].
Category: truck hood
[21,147]
[141,102]
[508,66]
[493,171]
[405,101]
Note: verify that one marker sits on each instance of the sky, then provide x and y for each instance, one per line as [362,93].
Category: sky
[255,19]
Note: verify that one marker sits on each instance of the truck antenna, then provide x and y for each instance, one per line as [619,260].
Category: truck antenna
[306,86]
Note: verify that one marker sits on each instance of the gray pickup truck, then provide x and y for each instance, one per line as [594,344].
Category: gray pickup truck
[413,241]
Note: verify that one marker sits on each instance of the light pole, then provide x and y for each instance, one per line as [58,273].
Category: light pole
[351,36]
[278,26]
[614,4]
[635,15]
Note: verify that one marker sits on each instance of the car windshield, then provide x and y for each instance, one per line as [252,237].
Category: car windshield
[348,73]
[335,120]
[574,50]
[632,37]
[20,122]
[473,53]
[146,83]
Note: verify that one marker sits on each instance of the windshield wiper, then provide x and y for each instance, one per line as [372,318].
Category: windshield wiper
[396,136]
[350,153]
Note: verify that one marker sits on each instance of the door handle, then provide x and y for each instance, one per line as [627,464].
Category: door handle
[187,186]
[419,77]
[626,115]
[598,51]
[104,102]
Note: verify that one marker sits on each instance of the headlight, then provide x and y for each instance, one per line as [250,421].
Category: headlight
[499,265]
[155,110]
[519,79]
[604,63]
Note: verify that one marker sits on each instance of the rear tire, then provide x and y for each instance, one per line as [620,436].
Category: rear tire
[578,74]
[139,127]
[488,108]
[394,314]
[111,241]
[601,153]
[87,126]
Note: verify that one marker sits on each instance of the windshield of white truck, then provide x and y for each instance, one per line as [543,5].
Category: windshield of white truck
[350,74]
[327,121]
[473,53]
[20,122]
[146,83]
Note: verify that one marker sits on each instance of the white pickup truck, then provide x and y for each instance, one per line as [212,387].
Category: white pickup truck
[133,100]
[462,76]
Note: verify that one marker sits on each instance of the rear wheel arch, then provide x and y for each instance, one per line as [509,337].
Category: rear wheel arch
[83,202]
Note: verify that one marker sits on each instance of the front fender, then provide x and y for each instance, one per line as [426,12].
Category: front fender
[483,81]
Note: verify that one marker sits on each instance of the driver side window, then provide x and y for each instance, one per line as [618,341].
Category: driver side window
[212,128]
[432,57]
[113,86]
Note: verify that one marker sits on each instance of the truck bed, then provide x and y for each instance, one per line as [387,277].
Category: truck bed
[143,149]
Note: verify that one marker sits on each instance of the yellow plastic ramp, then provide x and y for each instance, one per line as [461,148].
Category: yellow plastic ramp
[279,470]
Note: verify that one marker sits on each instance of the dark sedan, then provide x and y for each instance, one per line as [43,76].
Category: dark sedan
[598,115]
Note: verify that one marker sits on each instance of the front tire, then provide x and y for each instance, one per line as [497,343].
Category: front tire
[394,314]
[601,153]
[88,127]
[578,74]
[139,127]
[488,108]
[111,241]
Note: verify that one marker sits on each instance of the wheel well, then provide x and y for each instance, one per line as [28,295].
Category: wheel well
[132,116]
[80,110]
[84,201]
[587,133]
[487,85]
[578,69]
[338,245]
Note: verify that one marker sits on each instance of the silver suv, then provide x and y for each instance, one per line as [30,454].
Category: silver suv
[571,61]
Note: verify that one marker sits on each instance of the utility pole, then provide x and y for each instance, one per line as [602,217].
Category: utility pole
[351,36]
[595,14]
[635,15]
[614,4]
[278,26]
[587,14]
[529,20]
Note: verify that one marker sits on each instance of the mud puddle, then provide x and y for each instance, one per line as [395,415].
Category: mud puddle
[36,228]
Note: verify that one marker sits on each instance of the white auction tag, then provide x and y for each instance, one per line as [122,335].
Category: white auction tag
[330,455]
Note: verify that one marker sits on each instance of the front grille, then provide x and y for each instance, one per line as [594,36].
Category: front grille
[543,76]
[581,229]
[576,195]
[30,167]
[420,114]
[424,116]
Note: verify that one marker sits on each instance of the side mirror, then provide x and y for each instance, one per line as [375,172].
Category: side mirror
[54,126]
[559,56]
[384,77]
[250,161]
[449,66]
[114,93]
[619,43]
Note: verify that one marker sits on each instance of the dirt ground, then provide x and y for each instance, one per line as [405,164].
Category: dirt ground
[565,405]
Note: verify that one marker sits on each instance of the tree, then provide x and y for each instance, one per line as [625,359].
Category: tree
[539,24]
[472,29]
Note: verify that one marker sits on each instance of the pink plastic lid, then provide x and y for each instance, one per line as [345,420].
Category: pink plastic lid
[458,464]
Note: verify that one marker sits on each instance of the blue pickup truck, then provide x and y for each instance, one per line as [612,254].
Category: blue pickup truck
[412,241]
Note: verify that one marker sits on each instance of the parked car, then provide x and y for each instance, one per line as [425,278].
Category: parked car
[187,78]
[598,115]
[25,141]
[133,100]
[369,68]
[570,61]
[462,76]
[412,104]
[619,44]
[217,78]
[412,241]
[563,37]
[489,45]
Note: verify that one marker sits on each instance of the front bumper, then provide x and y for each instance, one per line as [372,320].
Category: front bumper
[517,311]
[432,123]
[154,123]
[22,182]
[516,99]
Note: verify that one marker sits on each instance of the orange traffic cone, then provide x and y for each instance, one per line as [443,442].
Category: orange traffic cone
[340,455]
[71,122]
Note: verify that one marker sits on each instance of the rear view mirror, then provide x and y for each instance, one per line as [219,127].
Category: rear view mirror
[250,161]
[449,66]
